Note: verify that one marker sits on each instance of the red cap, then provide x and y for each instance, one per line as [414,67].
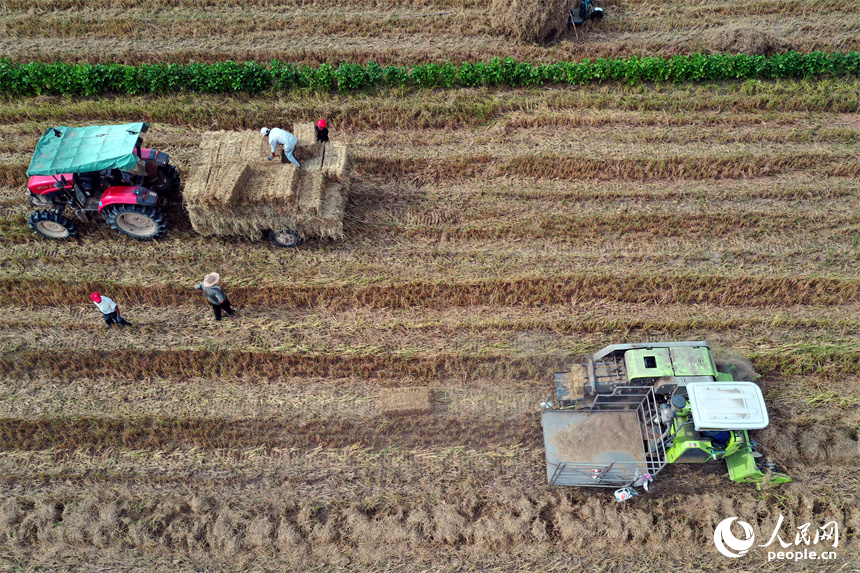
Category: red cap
[96,297]
[321,124]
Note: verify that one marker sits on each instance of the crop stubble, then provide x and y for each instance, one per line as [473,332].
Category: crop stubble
[480,252]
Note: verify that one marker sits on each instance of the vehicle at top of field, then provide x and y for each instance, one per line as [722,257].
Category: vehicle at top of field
[586,11]
[232,190]
[99,171]
[620,416]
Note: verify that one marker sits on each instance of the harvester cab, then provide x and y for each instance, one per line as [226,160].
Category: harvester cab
[617,418]
[99,171]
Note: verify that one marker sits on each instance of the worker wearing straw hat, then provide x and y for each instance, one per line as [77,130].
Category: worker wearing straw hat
[215,295]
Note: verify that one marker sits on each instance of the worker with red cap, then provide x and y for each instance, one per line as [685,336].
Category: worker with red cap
[322,131]
[109,310]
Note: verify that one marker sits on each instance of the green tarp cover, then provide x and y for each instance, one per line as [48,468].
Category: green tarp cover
[82,149]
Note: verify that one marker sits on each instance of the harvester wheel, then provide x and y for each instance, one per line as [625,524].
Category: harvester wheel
[285,238]
[52,225]
[166,181]
[137,221]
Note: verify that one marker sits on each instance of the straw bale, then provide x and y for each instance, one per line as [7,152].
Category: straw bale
[530,20]
[271,183]
[329,223]
[400,401]
[313,163]
[745,39]
[311,190]
[197,189]
[232,190]
[233,180]
[307,136]
[335,200]
[336,163]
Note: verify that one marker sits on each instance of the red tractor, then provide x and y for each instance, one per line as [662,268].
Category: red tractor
[100,171]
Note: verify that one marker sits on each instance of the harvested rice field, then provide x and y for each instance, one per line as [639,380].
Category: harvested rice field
[374,404]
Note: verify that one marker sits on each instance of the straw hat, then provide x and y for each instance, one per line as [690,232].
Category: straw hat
[211,279]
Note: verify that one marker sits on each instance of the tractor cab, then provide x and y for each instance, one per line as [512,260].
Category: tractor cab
[99,171]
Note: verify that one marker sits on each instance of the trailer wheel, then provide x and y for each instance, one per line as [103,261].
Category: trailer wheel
[285,238]
[52,225]
[136,221]
[166,180]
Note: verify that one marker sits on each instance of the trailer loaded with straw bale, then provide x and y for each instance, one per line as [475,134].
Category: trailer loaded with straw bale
[233,190]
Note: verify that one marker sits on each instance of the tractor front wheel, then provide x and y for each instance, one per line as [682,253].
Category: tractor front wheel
[137,221]
[52,225]
[166,181]
[285,238]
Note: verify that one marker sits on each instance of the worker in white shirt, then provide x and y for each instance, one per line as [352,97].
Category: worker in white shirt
[109,310]
[286,140]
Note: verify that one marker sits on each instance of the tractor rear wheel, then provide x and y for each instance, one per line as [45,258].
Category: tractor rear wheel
[166,181]
[137,221]
[285,238]
[52,225]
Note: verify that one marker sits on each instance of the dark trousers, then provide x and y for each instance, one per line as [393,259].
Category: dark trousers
[225,306]
[114,316]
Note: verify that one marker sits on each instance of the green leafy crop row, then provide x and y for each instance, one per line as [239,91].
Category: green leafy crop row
[226,77]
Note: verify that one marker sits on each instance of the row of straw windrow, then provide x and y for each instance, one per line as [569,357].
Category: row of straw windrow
[753,102]
[214,183]
[384,369]
[572,167]
[687,288]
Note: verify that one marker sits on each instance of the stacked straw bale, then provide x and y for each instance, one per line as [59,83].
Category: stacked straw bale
[336,164]
[308,146]
[233,190]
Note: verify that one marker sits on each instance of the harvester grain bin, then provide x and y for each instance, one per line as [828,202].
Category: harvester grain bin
[99,171]
[617,418]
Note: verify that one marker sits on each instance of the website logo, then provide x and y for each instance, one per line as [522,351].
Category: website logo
[805,546]
[727,543]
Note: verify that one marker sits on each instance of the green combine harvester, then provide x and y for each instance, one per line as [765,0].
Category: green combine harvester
[620,416]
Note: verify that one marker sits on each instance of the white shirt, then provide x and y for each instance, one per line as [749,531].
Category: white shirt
[285,138]
[107,306]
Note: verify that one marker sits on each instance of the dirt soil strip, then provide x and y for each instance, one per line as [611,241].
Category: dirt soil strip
[154,432]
